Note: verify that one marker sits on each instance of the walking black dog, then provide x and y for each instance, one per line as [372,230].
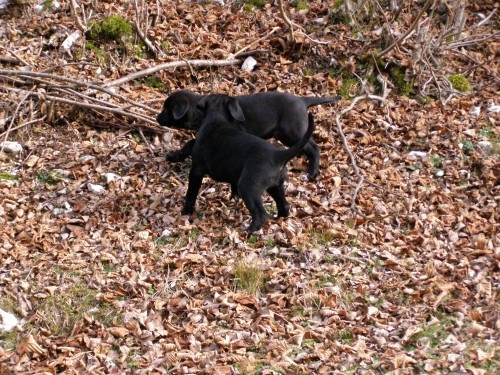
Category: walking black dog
[269,114]
[228,153]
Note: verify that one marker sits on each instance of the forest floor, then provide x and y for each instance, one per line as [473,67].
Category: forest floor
[117,281]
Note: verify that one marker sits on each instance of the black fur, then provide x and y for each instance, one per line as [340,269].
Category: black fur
[228,153]
[269,114]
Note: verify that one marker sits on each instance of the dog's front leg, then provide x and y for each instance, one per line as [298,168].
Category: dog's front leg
[181,154]
[195,179]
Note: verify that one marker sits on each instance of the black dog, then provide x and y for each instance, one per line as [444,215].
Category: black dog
[268,114]
[228,153]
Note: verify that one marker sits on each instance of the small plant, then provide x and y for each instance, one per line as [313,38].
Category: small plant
[62,310]
[251,5]
[6,176]
[322,237]
[307,72]
[252,240]
[154,82]
[349,88]
[299,5]
[460,83]
[113,27]
[101,57]
[248,278]
[49,177]
[165,46]
[345,337]
[436,161]
[401,81]
[467,146]
[433,334]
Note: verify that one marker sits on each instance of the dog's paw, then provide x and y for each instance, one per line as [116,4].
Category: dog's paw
[175,157]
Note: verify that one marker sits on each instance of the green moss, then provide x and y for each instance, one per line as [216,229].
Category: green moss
[337,4]
[467,146]
[113,27]
[300,5]
[251,5]
[101,57]
[348,88]
[49,177]
[460,83]
[398,75]
[5,176]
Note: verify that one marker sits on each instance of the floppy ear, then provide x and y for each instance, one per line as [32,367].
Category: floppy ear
[180,109]
[235,110]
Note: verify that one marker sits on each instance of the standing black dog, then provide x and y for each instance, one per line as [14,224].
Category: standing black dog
[228,153]
[268,114]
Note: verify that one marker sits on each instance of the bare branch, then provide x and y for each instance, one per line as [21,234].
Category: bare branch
[409,31]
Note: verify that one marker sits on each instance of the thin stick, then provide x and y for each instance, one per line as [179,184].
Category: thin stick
[347,148]
[24,124]
[233,55]
[14,117]
[77,83]
[94,106]
[409,31]
[172,64]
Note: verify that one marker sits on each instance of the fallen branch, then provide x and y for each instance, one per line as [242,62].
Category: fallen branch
[92,86]
[346,144]
[115,110]
[409,31]
[168,65]
[233,55]
[287,20]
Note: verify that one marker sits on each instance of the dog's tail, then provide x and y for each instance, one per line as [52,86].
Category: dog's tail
[311,101]
[289,153]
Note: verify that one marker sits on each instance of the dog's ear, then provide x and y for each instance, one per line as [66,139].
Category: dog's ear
[179,109]
[235,110]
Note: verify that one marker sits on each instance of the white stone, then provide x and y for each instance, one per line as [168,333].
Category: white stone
[417,154]
[475,111]
[109,177]
[166,233]
[96,189]
[7,321]
[248,64]
[12,147]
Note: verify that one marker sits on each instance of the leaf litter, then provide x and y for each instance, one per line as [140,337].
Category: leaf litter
[106,276]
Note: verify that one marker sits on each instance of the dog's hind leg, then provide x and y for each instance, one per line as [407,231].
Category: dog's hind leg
[278,194]
[311,150]
[253,201]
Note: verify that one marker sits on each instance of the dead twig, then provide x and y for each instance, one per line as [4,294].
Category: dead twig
[233,55]
[78,21]
[24,124]
[14,116]
[118,111]
[168,65]
[92,86]
[348,149]
[287,20]
[409,31]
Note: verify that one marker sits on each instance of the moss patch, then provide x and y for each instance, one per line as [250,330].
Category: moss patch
[113,27]
[403,85]
[460,83]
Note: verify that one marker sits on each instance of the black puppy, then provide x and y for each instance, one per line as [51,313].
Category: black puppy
[268,114]
[228,153]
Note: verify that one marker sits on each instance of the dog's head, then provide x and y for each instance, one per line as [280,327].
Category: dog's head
[220,107]
[180,111]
